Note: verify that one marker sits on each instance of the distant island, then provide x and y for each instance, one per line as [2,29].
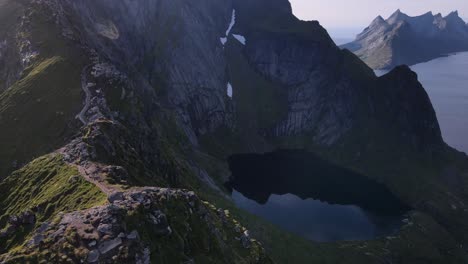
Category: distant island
[402,39]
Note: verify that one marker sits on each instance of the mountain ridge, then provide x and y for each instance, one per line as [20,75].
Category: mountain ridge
[404,39]
[158,115]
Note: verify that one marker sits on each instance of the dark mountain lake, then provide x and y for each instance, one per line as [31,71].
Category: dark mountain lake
[446,81]
[310,197]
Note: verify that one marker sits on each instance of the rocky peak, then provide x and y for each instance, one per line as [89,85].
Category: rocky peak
[453,19]
[397,16]
[453,14]
[378,21]
[379,46]
[429,13]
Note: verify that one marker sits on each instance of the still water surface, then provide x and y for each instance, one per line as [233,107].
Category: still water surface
[310,197]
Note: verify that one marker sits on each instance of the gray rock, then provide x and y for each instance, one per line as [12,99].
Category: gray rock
[117,196]
[43,227]
[37,239]
[108,246]
[93,256]
[245,239]
[143,258]
[92,243]
[105,229]
[133,235]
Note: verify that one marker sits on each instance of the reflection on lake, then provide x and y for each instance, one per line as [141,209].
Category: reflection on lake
[311,197]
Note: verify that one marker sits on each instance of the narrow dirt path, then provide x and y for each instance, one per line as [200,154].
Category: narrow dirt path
[92,173]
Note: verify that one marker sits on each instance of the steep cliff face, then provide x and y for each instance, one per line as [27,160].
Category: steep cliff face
[330,93]
[10,13]
[193,55]
[171,48]
[402,39]
[408,107]
[137,93]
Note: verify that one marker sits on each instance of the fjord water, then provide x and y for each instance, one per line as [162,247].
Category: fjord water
[310,197]
[446,81]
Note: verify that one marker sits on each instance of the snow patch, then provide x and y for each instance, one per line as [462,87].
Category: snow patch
[229,90]
[224,39]
[240,38]
[27,57]
[233,22]
[27,53]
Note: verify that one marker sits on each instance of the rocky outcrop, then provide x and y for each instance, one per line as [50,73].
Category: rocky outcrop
[16,222]
[143,225]
[402,39]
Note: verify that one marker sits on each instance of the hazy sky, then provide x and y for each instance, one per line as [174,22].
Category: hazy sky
[343,17]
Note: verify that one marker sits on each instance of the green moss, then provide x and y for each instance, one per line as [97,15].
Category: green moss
[45,186]
[196,235]
[35,112]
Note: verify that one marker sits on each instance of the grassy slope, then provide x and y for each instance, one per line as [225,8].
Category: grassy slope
[36,113]
[193,236]
[46,186]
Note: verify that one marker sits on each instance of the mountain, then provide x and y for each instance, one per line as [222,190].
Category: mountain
[117,118]
[402,39]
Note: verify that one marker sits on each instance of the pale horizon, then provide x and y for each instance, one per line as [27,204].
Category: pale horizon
[344,18]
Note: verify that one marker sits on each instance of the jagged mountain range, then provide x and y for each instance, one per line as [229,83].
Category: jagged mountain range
[402,39]
[117,117]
